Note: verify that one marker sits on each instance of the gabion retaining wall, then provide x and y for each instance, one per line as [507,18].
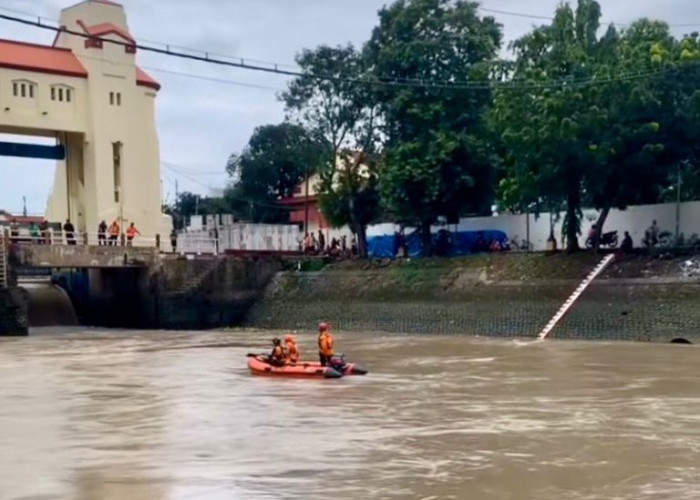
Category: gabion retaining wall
[612,310]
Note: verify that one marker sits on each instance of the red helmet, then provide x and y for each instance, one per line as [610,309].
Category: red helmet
[323,327]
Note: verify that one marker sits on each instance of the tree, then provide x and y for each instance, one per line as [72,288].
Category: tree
[188,204]
[679,87]
[275,161]
[577,127]
[543,124]
[438,159]
[626,142]
[338,108]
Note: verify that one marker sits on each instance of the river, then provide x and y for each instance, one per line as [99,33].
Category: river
[109,415]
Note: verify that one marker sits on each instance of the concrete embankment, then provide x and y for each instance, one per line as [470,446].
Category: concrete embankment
[639,298]
[171,293]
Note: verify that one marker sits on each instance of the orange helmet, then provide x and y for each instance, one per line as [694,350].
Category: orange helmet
[288,338]
[323,327]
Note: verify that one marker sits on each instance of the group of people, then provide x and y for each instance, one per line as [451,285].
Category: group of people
[114,231]
[289,353]
[338,247]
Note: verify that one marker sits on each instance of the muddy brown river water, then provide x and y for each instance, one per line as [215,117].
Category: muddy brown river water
[154,416]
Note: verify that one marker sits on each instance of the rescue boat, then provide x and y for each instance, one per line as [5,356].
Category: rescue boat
[259,365]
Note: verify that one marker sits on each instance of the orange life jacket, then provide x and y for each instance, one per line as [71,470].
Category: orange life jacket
[114,229]
[325,344]
[293,353]
[131,231]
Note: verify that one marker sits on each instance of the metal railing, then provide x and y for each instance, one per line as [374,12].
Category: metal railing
[52,237]
[184,243]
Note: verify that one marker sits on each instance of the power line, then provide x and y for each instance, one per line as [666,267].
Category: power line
[180,168]
[394,82]
[229,195]
[164,44]
[551,18]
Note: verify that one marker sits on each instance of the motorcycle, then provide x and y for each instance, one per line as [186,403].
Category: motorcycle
[609,239]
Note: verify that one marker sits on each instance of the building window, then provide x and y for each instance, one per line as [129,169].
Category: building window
[23,88]
[61,93]
[117,168]
[115,98]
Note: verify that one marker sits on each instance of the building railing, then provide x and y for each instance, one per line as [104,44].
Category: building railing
[53,237]
[239,239]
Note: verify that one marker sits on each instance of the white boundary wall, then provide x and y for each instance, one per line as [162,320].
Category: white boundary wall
[251,237]
[635,219]
[287,238]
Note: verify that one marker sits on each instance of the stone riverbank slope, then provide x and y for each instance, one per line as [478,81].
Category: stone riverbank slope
[637,298]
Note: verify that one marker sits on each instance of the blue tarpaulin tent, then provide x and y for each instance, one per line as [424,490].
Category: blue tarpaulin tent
[459,243]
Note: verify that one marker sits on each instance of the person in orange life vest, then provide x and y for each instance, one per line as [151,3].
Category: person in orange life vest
[325,344]
[277,355]
[130,233]
[113,233]
[293,354]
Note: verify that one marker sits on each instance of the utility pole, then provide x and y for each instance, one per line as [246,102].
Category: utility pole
[306,189]
[678,204]
[178,215]
[306,203]
[24,206]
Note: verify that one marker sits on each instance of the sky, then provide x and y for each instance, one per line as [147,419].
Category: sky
[207,112]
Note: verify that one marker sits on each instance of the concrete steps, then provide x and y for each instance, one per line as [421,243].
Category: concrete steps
[193,283]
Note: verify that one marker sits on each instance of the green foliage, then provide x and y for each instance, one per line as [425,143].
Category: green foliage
[581,117]
[188,204]
[595,144]
[275,161]
[340,111]
[438,158]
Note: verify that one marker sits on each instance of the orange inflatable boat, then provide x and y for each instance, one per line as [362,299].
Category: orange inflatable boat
[259,365]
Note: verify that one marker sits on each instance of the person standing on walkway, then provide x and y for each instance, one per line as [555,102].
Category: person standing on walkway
[34,233]
[130,233]
[102,233]
[113,233]
[173,240]
[69,231]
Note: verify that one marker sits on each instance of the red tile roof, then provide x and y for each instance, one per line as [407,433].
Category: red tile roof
[44,59]
[100,30]
[143,79]
[40,58]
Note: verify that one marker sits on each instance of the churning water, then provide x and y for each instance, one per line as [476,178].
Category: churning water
[162,415]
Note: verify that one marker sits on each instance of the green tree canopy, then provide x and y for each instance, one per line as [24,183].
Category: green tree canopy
[580,119]
[339,108]
[438,158]
[274,162]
